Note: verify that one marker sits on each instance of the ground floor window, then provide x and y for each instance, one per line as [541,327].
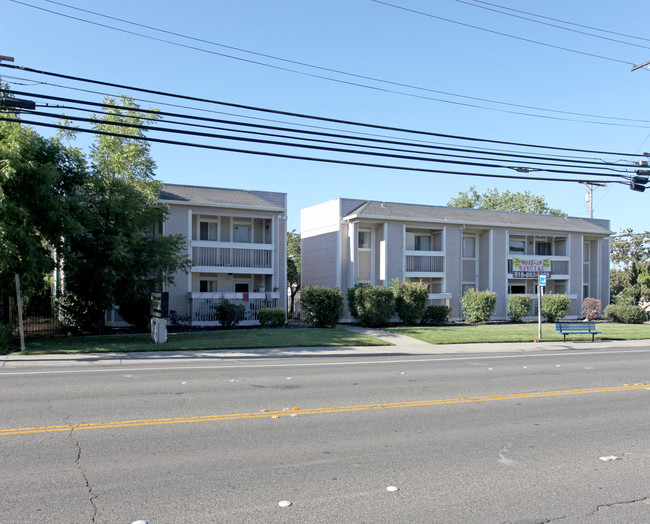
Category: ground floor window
[208,286]
[242,287]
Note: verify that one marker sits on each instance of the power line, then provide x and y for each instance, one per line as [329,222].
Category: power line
[330,70]
[310,117]
[299,157]
[530,159]
[593,55]
[548,24]
[329,148]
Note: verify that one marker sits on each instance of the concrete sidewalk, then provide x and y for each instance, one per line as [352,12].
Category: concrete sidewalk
[401,346]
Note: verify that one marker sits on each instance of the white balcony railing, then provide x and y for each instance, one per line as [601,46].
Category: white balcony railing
[203,306]
[232,255]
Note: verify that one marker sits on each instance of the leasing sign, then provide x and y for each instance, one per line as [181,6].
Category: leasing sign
[522,268]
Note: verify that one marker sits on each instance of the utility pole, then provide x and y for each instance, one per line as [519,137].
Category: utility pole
[590,196]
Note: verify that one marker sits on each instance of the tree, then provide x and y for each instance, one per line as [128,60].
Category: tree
[518,202]
[121,256]
[630,252]
[40,181]
[293,265]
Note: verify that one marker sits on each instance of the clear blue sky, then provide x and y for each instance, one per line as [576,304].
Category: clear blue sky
[373,40]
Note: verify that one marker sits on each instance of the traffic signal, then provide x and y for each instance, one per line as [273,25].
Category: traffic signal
[638,181]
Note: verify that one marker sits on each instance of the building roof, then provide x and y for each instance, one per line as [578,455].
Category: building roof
[479,217]
[215,196]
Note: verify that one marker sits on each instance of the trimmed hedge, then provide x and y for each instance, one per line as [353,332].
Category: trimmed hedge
[554,307]
[410,301]
[375,305]
[592,308]
[478,306]
[625,314]
[436,315]
[5,338]
[229,314]
[272,317]
[322,306]
[519,306]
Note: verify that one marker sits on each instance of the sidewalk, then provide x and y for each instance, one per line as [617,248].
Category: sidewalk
[402,346]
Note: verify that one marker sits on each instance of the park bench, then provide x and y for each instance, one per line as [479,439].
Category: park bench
[577,328]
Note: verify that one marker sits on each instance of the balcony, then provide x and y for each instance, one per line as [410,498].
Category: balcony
[559,265]
[203,306]
[232,257]
[424,264]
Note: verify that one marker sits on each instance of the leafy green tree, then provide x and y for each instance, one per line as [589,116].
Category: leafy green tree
[293,266]
[40,181]
[121,256]
[630,280]
[519,202]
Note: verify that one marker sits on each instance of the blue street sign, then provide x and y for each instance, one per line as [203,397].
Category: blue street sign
[542,280]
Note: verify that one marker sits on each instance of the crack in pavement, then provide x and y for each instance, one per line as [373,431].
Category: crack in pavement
[599,508]
[92,497]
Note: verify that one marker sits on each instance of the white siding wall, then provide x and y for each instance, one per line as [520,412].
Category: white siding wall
[320,233]
[499,272]
[453,265]
[177,223]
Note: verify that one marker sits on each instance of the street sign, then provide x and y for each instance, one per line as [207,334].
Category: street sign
[542,280]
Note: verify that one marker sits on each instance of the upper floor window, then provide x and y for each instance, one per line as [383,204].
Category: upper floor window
[469,247]
[517,247]
[364,239]
[543,248]
[209,230]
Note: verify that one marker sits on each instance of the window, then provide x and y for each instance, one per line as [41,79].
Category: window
[364,239]
[467,287]
[585,291]
[242,234]
[469,247]
[517,289]
[208,230]
[422,243]
[585,252]
[208,286]
[517,247]
[543,248]
[241,287]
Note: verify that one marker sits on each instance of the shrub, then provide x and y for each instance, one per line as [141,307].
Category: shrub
[436,315]
[519,306]
[555,307]
[592,308]
[625,314]
[478,306]
[352,300]
[272,317]
[410,301]
[5,339]
[375,305]
[322,306]
[229,314]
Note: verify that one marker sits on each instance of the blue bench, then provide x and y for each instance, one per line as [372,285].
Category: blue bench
[577,328]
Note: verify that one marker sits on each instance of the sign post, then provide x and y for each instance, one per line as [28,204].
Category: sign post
[540,292]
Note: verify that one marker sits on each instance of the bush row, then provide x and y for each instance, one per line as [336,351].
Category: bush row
[625,313]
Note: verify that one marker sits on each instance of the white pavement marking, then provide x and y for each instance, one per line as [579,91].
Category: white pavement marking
[323,364]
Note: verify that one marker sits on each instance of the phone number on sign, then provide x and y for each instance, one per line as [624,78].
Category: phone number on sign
[527,274]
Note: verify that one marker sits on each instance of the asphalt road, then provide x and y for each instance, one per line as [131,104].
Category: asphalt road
[534,437]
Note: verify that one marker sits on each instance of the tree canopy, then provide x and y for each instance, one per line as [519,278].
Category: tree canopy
[518,202]
[630,279]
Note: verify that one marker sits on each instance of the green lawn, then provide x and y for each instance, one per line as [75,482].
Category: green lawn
[463,334]
[233,339]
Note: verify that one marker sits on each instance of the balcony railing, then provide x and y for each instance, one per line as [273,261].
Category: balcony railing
[559,265]
[417,262]
[203,306]
[230,255]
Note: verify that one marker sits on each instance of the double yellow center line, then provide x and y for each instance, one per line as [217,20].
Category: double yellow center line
[293,412]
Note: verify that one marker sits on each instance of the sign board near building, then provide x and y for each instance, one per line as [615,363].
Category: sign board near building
[160,305]
[522,268]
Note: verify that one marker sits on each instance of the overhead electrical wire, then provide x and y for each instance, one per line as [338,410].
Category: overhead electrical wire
[559,20]
[530,159]
[330,70]
[300,157]
[500,33]
[312,117]
[331,149]
[492,9]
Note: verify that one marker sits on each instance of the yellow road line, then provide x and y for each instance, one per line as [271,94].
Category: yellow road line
[313,411]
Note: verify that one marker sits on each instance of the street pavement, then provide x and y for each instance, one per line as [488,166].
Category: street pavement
[401,346]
